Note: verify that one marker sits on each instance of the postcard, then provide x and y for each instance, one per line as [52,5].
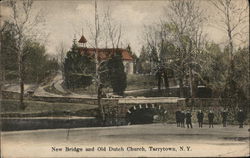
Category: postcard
[123,78]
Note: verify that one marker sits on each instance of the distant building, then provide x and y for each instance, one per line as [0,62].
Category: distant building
[107,53]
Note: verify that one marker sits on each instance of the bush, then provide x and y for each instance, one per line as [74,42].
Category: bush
[78,69]
[117,75]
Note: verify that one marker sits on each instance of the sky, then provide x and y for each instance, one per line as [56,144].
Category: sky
[66,19]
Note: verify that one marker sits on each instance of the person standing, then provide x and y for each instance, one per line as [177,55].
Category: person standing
[224,117]
[211,119]
[241,118]
[182,119]
[188,119]
[200,117]
[177,117]
[165,117]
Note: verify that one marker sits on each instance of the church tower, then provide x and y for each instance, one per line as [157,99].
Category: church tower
[82,42]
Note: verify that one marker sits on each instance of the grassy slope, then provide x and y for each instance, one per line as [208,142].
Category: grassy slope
[38,108]
[134,82]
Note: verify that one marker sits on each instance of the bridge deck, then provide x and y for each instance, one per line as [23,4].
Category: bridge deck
[143,100]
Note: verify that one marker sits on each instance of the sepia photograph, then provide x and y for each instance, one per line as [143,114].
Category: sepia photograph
[124,78]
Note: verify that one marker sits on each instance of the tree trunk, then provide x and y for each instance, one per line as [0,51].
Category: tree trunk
[37,82]
[2,67]
[21,80]
[166,82]
[101,107]
[2,71]
[99,88]
[181,87]
[191,84]
[159,82]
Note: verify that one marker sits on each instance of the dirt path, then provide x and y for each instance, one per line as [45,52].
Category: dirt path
[57,84]
[16,87]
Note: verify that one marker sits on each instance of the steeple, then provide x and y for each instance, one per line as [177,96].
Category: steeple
[83,40]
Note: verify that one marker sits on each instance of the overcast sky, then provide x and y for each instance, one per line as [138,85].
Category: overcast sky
[66,18]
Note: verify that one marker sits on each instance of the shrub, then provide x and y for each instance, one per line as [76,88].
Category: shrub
[117,75]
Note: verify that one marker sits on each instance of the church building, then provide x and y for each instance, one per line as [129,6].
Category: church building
[107,53]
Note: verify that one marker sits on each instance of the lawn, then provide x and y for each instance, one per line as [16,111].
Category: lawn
[38,108]
[90,90]
[134,82]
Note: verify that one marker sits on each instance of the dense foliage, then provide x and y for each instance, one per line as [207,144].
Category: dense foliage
[143,64]
[117,75]
[210,68]
[9,56]
[78,69]
[37,64]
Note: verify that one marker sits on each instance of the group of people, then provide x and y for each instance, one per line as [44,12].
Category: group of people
[181,116]
[180,119]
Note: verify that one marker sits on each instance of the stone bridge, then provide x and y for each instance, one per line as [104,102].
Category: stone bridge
[125,109]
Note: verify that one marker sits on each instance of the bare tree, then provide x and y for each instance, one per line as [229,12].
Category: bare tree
[96,35]
[61,54]
[234,21]
[113,31]
[104,26]
[103,29]
[183,28]
[24,26]
[152,39]
[98,63]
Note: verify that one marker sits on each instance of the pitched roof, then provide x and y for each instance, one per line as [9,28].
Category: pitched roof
[82,40]
[105,53]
